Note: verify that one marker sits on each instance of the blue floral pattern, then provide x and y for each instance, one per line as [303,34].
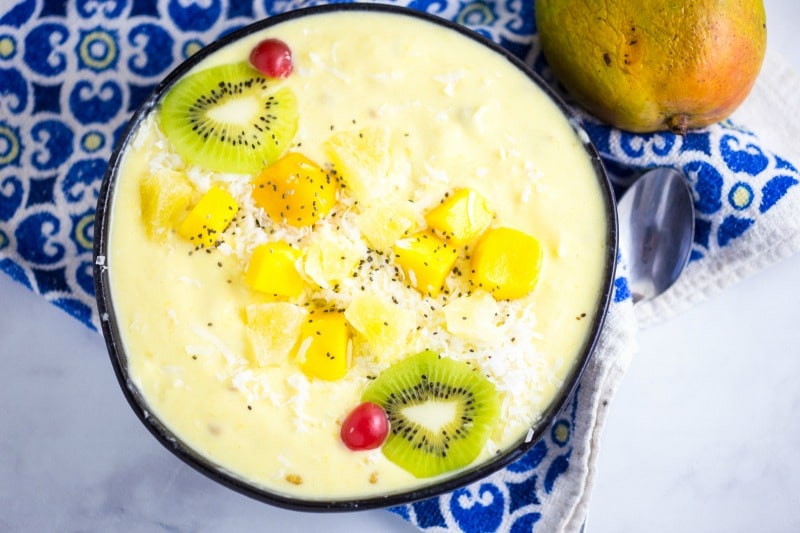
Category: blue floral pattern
[734,180]
[71,74]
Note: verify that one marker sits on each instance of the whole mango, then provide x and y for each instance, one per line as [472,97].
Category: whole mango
[658,64]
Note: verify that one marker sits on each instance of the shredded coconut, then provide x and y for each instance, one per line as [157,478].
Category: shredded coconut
[234,361]
[297,402]
[255,385]
[190,281]
[449,81]
[529,436]
[318,62]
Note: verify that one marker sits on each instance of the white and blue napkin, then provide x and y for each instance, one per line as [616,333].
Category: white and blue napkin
[72,73]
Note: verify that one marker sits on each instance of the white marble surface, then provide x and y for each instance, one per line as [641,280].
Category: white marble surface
[702,436]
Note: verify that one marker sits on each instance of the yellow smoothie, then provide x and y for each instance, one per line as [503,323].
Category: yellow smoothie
[450,115]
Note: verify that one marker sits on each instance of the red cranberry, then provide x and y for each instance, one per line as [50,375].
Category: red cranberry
[366,427]
[272,57]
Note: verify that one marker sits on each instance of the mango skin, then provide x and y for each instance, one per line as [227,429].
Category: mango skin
[655,65]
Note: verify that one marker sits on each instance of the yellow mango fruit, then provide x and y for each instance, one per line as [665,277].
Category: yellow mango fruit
[163,198]
[426,260]
[272,270]
[384,223]
[273,329]
[323,349]
[383,324]
[209,218]
[507,262]
[652,66]
[461,217]
[294,190]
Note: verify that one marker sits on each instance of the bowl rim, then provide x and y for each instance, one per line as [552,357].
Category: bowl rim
[218,473]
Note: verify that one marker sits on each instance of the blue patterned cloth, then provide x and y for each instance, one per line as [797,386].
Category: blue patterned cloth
[71,74]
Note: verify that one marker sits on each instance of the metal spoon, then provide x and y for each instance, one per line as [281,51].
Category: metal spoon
[656,227]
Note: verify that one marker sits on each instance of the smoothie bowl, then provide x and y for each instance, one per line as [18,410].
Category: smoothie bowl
[350,257]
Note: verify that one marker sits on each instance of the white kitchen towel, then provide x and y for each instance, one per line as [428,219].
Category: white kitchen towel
[71,73]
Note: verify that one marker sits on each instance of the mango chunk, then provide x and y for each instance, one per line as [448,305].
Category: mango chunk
[163,197]
[426,260]
[296,191]
[384,223]
[461,218]
[273,329]
[507,262]
[272,270]
[323,349]
[209,218]
[383,325]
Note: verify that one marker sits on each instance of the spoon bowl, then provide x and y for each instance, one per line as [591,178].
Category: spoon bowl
[656,227]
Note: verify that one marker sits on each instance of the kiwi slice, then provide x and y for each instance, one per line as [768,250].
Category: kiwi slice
[441,412]
[229,118]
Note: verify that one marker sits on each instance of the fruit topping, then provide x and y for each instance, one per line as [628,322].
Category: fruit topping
[473,317]
[272,270]
[331,257]
[382,324]
[273,58]
[426,260]
[164,198]
[323,349]
[229,119]
[273,329]
[461,217]
[382,224]
[365,428]
[507,263]
[209,218]
[441,412]
[294,190]
[364,161]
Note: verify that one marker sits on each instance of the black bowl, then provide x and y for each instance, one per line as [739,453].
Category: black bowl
[204,465]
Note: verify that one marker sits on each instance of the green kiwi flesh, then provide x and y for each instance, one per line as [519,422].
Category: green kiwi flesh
[419,380]
[255,129]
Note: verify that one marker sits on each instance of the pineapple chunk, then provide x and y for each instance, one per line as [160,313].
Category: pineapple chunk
[331,257]
[507,263]
[323,349]
[461,218]
[473,317]
[273,329]
[365,163]
[426,260]
[361,158]
[294,190]
[163,198]
[383,324]
[209,218]
[383,224]
[272,270]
